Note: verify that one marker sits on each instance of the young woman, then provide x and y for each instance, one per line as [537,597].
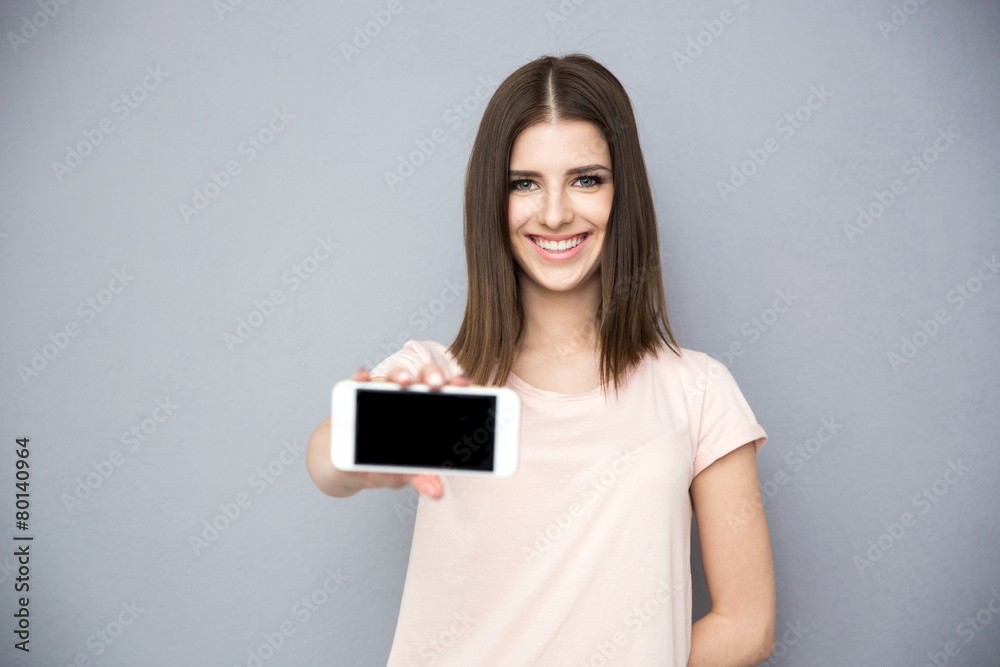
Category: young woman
[583,557]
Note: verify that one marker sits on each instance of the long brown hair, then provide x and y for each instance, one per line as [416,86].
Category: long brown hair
[632,319]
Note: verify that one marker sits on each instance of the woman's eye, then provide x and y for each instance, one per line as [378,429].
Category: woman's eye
[587,182]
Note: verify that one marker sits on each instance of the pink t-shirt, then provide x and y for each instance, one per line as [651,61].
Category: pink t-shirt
[583,556]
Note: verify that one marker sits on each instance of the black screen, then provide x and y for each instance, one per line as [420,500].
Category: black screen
[425,430]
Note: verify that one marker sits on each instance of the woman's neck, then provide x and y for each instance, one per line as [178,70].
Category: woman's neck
[560,324]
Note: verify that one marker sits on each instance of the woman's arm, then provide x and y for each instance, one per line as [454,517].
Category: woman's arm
[736,552]
[328,479]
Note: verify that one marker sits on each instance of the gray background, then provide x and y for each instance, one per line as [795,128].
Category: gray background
[164,337]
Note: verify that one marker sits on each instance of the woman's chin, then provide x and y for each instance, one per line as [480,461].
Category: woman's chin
[551,283]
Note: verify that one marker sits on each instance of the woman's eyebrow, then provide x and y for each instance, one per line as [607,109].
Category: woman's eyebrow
[569,172]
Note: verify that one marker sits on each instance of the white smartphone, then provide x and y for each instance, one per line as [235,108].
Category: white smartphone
[382,427]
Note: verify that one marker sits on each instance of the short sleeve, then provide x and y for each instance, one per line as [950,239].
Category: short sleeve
[414,355]
[726,422]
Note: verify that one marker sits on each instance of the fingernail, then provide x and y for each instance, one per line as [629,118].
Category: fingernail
[435,379]
[404,376]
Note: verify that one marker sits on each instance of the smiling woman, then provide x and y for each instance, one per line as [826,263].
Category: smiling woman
[564,213]
[560,133]
[583,556]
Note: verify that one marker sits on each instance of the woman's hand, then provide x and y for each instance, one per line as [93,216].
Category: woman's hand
[429,485]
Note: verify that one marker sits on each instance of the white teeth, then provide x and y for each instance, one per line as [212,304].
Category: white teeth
[557,246]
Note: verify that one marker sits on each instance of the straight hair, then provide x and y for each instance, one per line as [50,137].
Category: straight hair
[631,320]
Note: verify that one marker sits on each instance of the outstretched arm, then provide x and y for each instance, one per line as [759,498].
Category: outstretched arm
[736,552]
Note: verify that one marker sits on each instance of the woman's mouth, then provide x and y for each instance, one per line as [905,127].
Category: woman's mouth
[559,246]
[563,249]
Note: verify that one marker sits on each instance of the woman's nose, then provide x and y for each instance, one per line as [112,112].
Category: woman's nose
[556,209]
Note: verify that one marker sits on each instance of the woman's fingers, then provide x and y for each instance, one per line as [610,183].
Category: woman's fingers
[430,374]
[433,376]
[389,480]
[400,376]
[429,485]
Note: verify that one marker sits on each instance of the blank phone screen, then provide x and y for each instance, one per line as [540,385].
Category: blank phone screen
[403,428]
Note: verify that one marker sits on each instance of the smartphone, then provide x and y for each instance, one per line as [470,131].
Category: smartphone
[382,427]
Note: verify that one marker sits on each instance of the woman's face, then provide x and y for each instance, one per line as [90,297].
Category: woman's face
[560,197]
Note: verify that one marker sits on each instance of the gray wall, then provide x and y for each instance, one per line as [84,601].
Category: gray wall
[114,516]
